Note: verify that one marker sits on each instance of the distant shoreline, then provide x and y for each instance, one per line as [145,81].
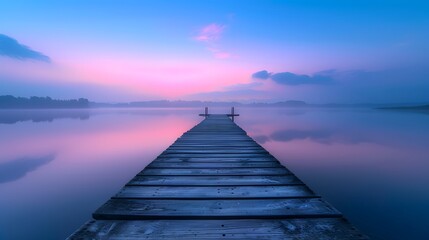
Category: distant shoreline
[420,107]
[408,108]
[12,102]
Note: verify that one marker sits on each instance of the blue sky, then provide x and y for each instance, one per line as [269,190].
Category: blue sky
[375,51]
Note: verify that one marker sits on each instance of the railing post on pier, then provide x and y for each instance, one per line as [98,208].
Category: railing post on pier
[232,115]
[206,112]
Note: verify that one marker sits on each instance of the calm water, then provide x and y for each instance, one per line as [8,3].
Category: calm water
[57,167]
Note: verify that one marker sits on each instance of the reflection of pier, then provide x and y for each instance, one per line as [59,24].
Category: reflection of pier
[216,182]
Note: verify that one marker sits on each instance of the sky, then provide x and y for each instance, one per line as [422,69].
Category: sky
[344,51]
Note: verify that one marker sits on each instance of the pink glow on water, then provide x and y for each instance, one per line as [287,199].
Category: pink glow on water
[97,143]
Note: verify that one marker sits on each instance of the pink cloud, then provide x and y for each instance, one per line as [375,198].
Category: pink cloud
[210,33]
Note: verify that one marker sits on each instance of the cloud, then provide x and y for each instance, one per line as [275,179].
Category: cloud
[209,36]
[288,78]
[265,91]
[291,79]
[397,85]
[10,47]
[261,75]
[210,33]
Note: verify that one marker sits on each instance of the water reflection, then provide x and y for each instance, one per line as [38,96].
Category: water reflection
[18,168]
[93,160]
[324,136]
[372,165]
[261,139]
[49,115]
[294,134]
[15,116]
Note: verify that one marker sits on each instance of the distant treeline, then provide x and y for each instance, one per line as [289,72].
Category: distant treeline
[10,102]
[419,107]
[166,104]
[173,104]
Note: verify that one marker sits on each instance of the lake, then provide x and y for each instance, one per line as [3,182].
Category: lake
[58,166]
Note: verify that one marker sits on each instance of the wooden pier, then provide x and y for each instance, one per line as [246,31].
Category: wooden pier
[215,182]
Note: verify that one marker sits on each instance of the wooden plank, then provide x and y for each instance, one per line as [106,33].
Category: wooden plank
[225,151]
[215,137]
[132,209]
[224,143]
[225,137]
[161,164]
[196,132]
[214,147]
[218,145]
[215,155]
[219,171]
[243,139]
[222,130]
[214,180]
[215,134]
[214,140]
[229,131]
[268,229]
[219,160]
[250,142]
[214,192]
[246,141]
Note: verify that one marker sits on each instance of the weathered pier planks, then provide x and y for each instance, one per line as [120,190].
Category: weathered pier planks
[215,182]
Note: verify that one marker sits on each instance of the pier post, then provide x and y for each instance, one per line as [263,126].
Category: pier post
[206,113]
[232,115]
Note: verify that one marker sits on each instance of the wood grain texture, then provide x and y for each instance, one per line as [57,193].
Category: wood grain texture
[244,164]
[267,229]
[218,145]
[214,171]
[214,192]
[215,180]
[132,209]
[215,159]
[216,155]
[215,151]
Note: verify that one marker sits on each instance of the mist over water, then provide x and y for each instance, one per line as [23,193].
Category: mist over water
[58,166]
